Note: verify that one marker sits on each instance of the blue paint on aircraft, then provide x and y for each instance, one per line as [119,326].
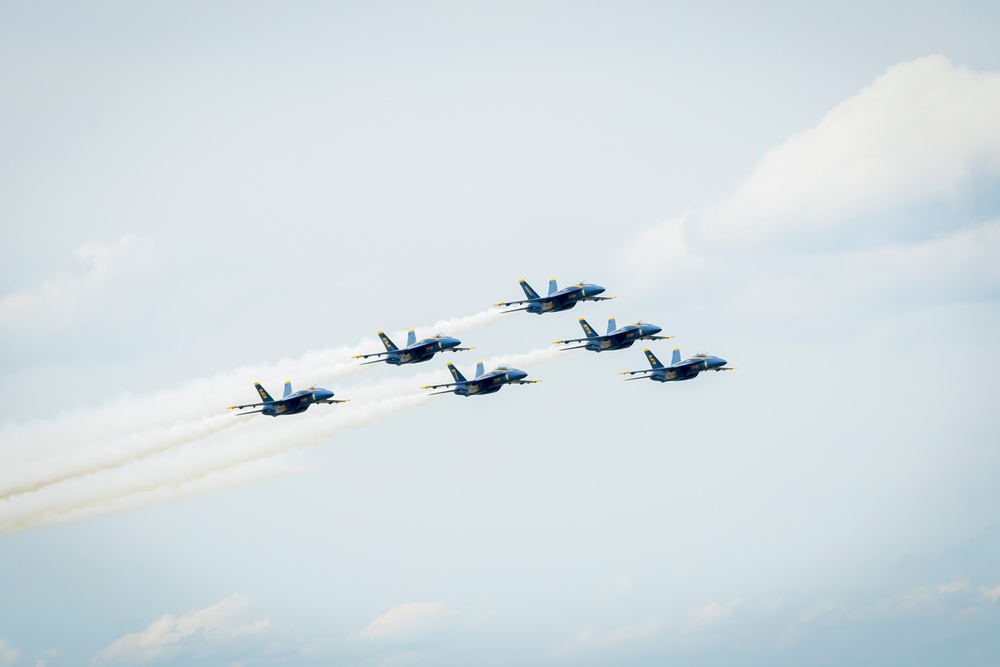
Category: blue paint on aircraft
[557,299]
[290,403]
[679,370]
[616,338]
[415,351]
[484,382]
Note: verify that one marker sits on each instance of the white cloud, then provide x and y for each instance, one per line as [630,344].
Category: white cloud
[589,640]
[821,608]
[702,617]
[8,654]
[952,586]
[924,132]
[61,295]
[992,593]
[216,623]
[404,622]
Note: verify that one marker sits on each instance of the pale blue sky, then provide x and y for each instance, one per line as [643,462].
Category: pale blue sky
[193,198]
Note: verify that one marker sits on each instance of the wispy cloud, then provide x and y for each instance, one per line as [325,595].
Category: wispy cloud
[8,654]
[404,622]
[993,594]
[169,634]
[590,641]
[923,132]
[702,617]
[61,295]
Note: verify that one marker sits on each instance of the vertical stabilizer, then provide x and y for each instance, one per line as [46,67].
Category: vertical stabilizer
[587,329]
[411,338]
[389,345]
[675,358]
[553,287]
[653,361]
[480,369]
[612,325]
[455,374]
[528,292]
[288,389]
[264,396]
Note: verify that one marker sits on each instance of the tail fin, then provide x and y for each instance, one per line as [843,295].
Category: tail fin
[411,338]
[288,388]
[389,345]
[528,292]
[455,374]
[612,325]
[587,329]
[675,358]
[553,288]
[653,361]
[480,369]
[264,396]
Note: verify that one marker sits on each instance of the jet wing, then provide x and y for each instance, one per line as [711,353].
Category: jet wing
[657,337]
[644,370]
[449,384]
[248,405]
[524,382]
[374,354]
[514,303]
[579,340]
[335,400]
[599,298]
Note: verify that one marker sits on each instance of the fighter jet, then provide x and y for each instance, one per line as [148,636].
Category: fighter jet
[483,383]
[415,351]
[615,339]
[557,299]
[289,403]
[679,370]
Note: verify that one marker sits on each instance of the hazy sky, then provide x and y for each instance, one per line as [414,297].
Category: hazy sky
[196,197]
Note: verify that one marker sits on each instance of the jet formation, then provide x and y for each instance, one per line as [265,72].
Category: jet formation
[490,382]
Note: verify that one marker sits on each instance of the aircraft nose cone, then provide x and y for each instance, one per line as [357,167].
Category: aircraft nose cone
[325,394]
[516,374]
[653,330]
[451,342]
[719,361]
[596,289]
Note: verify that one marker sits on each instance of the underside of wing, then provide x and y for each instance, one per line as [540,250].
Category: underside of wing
[248,405]
[373,354]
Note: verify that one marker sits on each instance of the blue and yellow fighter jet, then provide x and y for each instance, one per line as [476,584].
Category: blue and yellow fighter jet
[615,339]
[557,299]
[415,351]
[289,403]
[679,370]
[483,383]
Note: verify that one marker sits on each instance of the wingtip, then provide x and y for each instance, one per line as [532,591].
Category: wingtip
[498,305]
[231,407]
[358,356]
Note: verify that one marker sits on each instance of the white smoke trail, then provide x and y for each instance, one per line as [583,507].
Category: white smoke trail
[75,461]
[152,479]
[196,400]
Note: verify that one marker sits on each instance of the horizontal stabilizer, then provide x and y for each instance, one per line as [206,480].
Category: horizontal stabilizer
[566,349]
[249,412]
[512,310]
